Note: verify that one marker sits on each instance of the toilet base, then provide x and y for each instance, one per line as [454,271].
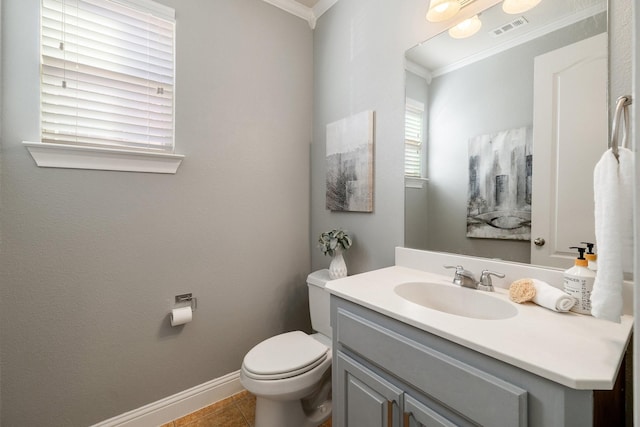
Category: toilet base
[278,413]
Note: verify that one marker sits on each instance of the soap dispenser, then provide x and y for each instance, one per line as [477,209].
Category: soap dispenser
[578,282]
[591,257]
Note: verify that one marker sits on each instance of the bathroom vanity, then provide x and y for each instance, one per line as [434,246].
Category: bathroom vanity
[399,363]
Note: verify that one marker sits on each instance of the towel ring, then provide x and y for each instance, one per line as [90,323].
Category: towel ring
[622,112]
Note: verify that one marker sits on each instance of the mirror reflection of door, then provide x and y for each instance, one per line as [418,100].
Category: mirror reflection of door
[570,134]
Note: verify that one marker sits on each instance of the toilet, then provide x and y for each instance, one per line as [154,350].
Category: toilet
[290,373]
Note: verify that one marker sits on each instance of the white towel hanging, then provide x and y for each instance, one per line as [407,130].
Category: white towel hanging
[613,180]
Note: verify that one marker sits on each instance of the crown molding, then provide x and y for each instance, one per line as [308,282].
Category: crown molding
[293,7]
[320,8]
[418,70]
[309,14]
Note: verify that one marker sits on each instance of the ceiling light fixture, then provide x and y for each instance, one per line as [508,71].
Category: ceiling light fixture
[466,28]
[441,10]
[513,7]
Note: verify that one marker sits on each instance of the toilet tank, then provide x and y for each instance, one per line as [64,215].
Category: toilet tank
[319,301]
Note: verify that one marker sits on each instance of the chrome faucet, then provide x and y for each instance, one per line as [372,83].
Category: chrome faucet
[466,278]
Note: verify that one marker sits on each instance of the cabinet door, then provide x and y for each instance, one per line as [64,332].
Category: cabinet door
[364,399]
[418,415]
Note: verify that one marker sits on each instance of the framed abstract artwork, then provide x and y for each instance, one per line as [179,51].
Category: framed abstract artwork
[350,163]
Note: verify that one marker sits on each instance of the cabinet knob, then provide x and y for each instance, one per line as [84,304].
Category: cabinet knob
[539,241]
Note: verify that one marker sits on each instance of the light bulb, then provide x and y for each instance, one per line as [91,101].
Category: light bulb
[441,10]
[466,28]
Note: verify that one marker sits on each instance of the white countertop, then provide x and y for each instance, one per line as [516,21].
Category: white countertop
[575,350]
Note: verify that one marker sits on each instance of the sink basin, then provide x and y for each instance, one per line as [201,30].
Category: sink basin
[456,300]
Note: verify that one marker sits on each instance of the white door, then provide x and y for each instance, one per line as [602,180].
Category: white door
[570,128]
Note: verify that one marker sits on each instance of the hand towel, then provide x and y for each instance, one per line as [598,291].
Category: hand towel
[542,294]
[552,297]
[612,185]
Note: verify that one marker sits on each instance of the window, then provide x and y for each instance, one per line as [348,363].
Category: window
[413,138]
[107,75]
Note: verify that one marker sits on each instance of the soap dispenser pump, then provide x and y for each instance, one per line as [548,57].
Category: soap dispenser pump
[578,282]
[591,257]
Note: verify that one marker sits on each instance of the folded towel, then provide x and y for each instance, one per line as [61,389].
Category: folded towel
[552,297]
[542,294]
[612,185]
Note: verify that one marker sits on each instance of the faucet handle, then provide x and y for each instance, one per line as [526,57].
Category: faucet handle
[460,271]
[463,277]
[485,279]
[458,268]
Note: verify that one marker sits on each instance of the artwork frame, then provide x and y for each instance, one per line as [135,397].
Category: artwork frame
[349,160]
[499,191]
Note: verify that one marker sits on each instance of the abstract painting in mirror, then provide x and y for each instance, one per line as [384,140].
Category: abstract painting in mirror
[499,201]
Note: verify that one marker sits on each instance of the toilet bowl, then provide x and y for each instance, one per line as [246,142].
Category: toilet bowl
[290,373]
[284,372]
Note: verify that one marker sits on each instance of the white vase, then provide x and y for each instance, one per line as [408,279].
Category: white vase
[337,267]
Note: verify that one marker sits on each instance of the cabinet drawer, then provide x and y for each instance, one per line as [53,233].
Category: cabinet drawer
[475,394]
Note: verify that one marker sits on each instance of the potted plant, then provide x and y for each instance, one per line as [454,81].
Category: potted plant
[333,243]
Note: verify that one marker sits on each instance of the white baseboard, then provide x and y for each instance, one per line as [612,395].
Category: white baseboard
[178,405]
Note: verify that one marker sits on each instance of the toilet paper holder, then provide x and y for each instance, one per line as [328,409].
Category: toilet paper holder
[187,298]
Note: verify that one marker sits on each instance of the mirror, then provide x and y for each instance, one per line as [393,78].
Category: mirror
[483,85]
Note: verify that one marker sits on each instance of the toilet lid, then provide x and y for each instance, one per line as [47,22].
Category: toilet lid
[285,355]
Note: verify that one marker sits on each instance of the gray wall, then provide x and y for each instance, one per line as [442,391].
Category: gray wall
[91,260]
[359,50]
[359,65]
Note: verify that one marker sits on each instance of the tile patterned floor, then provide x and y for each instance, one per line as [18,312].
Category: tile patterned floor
[235,411]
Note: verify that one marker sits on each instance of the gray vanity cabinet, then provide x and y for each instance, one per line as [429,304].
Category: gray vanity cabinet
[389,374]
[370,400]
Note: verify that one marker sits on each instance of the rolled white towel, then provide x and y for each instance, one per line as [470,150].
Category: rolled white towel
[551,297]
[544,294]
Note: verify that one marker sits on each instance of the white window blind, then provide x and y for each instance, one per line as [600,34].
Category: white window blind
[107,74]
[413,138]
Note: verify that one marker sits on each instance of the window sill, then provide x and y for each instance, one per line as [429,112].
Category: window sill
[412,182]
[47,155]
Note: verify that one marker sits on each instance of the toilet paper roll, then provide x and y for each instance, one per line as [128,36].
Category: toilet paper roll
[180,316]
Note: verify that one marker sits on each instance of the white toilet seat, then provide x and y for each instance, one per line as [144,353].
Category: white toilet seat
[284,356]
